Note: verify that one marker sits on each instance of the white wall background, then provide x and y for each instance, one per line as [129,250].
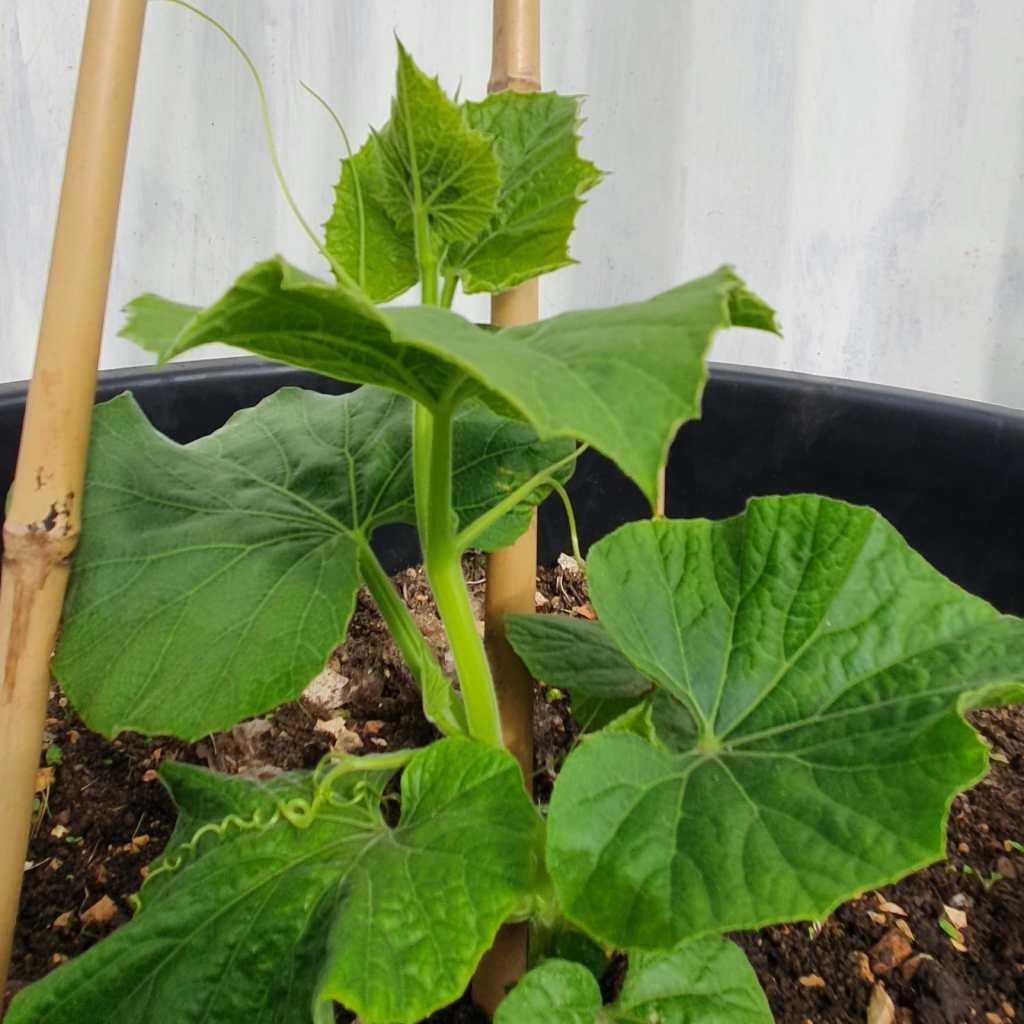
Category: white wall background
[860,161]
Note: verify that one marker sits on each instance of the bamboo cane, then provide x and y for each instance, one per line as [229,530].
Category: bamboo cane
[511,572]
[42,525]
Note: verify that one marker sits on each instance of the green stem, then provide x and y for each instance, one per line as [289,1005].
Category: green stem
[349,764]
[570,515]
[448,292]
[444,569]
[422,441]
[426,258]
[487,519]
[432,479]
[541,942]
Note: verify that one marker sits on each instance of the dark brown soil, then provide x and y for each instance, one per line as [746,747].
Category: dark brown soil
[103,817]
[983,877]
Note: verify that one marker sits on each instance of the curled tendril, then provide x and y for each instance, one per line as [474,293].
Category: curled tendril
[260,821]
[297,811]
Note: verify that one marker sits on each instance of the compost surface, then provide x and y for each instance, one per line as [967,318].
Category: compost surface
[103,816]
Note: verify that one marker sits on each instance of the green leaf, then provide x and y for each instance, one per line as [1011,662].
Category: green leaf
[702,981]
[361,235]
[279,312]
[813,671]
[621,379]
[431,160]
[155,324]
[542,180]
[261,924]
[577,655]
[556,992]
[493,457]
[463,858]
[526,141]
[232,562]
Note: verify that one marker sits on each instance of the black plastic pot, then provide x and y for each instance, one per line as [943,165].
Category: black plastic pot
[948,474]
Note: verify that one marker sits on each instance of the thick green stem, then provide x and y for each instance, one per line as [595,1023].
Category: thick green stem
[426,257]
[432,480]
[444,569]
[422,441]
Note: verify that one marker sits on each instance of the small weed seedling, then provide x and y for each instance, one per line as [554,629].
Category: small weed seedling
[774,702]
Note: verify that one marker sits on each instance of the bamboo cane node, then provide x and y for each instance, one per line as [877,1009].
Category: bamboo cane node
[517,83]
[58,521]
[31,554]
[44,544]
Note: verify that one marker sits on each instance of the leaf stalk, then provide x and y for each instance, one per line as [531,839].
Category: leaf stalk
[486,520]
[411,642]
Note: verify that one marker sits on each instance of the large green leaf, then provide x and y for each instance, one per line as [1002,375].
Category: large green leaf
[812,670]
[260,924]
[703,981]
[579,656]
[279,312]
[361,235]
[542,180]
[214,579]
[433,162]
[621,379]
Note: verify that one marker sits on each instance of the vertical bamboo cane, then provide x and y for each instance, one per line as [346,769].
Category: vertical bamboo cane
[42,525]
[511,572]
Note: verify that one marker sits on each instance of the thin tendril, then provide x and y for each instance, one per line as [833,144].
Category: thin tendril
[339,270]
[360,209]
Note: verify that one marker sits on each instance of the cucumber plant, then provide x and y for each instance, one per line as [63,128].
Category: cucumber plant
[774,702]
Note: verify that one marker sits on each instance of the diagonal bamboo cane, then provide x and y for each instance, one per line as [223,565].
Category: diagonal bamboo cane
[42,525]
[511,572]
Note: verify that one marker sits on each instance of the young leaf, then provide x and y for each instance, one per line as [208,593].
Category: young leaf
[621,379]
[542,179]
[813,671]
[232,561]
[706,979]
[262,922]
[361,235]
[577,655]
[432,162]
[556,992]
